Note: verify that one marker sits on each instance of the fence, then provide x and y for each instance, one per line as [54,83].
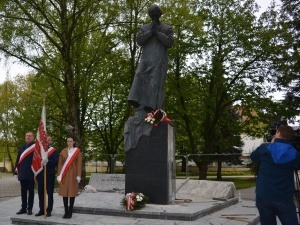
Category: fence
[186,165]
[6,164]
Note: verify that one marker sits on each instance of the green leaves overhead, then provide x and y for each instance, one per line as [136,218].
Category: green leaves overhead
[84,56]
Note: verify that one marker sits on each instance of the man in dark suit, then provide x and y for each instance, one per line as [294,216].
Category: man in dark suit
[25,173]
[50,163]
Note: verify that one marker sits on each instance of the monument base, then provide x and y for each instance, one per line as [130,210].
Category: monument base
[150,167]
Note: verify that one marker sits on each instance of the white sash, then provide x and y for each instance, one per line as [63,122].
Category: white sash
[50,151]
[26,153]
[72,155]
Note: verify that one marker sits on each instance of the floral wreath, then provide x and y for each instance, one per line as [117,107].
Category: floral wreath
[157,116]
[134,201]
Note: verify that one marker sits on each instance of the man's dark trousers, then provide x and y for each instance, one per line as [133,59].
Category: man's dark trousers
[269,209]
[50,179]
[27,185]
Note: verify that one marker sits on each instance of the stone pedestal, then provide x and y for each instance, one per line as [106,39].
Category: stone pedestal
[151,167]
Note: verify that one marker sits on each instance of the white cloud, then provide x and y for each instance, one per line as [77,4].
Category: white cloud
[264,4]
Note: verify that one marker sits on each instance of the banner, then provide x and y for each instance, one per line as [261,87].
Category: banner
[41,145]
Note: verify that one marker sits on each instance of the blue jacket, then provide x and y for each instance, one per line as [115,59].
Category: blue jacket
[25,171]
[275,179]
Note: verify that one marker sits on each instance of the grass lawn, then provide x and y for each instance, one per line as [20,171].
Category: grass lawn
[244,183]
[241,183]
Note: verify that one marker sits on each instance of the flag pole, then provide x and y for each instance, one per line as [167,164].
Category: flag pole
[45,190]
[45,176]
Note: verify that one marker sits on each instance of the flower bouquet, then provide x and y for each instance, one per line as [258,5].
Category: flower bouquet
[134,201]
[157,116]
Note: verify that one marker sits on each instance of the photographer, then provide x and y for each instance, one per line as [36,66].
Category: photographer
[275,181]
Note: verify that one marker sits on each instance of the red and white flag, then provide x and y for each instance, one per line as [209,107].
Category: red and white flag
[41,145]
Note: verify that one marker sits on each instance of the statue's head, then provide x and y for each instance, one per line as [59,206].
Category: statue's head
[154,12]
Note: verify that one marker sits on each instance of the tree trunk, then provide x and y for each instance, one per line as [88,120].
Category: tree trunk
[203,170]
[219,171]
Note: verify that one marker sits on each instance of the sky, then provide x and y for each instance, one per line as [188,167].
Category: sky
[12,69]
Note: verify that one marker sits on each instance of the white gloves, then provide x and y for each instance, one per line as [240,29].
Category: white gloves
[44,162]
[78,178]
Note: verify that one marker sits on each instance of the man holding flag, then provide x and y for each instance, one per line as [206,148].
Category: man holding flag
[50,163]
[45,159]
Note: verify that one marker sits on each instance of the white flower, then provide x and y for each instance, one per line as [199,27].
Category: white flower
[151,122]
[139,198]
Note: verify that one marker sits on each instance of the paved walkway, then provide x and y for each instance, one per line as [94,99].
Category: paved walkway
[10,203]
[9,187]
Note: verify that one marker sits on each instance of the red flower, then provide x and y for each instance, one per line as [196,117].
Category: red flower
[157,116]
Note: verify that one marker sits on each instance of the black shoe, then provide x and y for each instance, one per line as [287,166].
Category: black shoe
[48,214]
[21,212]
[39,213]
[69,216]
[29,212]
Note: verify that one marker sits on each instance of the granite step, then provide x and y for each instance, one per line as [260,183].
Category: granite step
[182,210]
[105,208]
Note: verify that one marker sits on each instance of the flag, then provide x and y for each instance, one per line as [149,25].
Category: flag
[41,145]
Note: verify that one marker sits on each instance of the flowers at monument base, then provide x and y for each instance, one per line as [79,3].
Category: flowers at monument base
[157,116]
[89,189]
[134,201]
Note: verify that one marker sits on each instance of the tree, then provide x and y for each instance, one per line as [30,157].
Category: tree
[19,113]
[64,41]
[85,55]
[291,70]
[229,65]
[182,86]
[8,144]
[240,53]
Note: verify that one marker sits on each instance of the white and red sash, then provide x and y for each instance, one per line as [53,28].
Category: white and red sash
[37,167]
[50,151]
[27,151]
[67,163]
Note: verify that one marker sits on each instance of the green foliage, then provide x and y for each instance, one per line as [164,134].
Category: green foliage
[254,168]
[290,71]
[241,183]
[16,104]
[228,50]
[84,57]
[244,183]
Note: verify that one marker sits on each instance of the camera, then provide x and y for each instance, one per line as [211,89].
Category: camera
[273,129]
